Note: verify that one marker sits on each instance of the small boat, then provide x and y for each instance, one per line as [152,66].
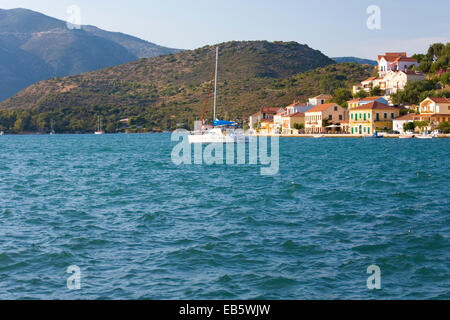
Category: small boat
[406,136]
[375,136]
[2,133]
[318,136]
[99,127]
[424,136]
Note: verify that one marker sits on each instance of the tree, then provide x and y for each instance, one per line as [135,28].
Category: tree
[412,92]
[110,127]
[361,94]
[436,50]
[421,124]
[409,126]
[375,91]
[341,96]
[444,127]
[299,126]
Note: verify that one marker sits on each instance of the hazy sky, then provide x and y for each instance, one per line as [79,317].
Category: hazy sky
[336,27]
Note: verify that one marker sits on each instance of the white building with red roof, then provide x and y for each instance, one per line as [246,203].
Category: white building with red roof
[394,61]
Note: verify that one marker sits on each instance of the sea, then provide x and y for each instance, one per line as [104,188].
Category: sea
[113,217]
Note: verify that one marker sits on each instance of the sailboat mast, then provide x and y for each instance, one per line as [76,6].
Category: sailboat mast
[215,83]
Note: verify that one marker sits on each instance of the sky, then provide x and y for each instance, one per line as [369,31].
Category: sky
[335,27]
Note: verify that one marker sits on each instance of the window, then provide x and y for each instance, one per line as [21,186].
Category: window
[378,117]
[335,109]
[385,115]
[364,129]
[330,117]
[392,115]
[340,117]
[368,130]
[351,116]
[360,115]
[365,117]
[368,115]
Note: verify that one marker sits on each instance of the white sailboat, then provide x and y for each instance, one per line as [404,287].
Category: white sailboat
[99,127]
[52,130]
[216,133]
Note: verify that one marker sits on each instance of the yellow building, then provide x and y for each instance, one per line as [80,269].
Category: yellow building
[291,120]
[435,111]
[267,127]
[372,117]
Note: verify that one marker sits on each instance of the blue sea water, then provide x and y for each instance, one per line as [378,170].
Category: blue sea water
[140,227]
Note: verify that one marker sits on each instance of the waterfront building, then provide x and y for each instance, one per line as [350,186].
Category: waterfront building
[263,114]
[399,122]
[319,117]
[290,121]
[372,117]
[434,111]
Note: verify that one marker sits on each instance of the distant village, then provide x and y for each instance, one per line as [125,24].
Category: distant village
[363,116]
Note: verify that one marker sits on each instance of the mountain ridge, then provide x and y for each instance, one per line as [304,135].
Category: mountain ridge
[159,93]
[356,60]
[47,40]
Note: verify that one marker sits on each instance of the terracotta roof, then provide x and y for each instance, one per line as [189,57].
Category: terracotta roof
[269,110]
[297,114]
[370,98]
[409,116]
[281,113]
[369,79]
[440,100]
[296,104]
[392,56]
[322,107]
[413,73]
[375,105]
[405,59]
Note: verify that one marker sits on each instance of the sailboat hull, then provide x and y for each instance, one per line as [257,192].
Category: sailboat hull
[210,138]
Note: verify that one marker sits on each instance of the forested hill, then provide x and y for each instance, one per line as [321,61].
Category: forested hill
[159,93]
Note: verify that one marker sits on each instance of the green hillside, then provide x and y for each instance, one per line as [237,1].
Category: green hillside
[163,92]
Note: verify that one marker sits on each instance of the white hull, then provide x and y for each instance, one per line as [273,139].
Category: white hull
[217,136]
[210,138]
[424,137]
[99,132]
[319,136]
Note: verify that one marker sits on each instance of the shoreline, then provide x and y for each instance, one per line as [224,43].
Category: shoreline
[389,136]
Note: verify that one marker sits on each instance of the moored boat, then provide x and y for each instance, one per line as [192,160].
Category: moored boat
[406,136]
[375,136]
[221,131]
[99,127]
[424,136]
